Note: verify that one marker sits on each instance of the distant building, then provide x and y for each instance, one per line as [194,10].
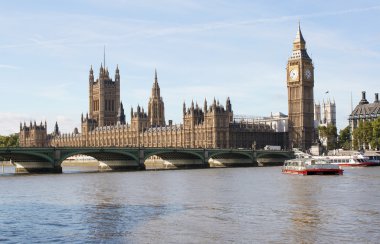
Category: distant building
[325,113]
[277,121]
[328,111]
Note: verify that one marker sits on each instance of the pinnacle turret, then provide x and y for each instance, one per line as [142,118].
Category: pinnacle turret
[56,129]
[91,76]
[121,115]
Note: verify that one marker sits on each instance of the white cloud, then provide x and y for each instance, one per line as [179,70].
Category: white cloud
[10,122]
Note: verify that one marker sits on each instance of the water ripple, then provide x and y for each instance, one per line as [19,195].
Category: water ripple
[243,205]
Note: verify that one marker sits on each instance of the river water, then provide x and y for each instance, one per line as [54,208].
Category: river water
[225,205]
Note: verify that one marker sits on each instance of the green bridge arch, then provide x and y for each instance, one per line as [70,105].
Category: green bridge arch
[92,153]
[199,155]
[51,158]
[231,152]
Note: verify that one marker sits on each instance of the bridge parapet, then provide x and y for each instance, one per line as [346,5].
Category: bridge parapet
[49,159]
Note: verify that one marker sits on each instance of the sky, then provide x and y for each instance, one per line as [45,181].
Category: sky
[201,49]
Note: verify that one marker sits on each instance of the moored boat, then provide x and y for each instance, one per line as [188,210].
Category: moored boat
[373,157]
[349,161]
[310,166]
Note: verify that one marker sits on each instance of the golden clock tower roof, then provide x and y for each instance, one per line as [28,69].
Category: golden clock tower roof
[299,46]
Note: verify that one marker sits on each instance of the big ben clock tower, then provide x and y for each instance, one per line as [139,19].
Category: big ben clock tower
[300,83]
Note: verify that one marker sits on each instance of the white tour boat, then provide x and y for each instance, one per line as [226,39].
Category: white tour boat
[310,166]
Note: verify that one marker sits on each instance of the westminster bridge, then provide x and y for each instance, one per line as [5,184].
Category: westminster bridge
[50,159]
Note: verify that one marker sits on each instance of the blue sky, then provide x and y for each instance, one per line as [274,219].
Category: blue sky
[201,49]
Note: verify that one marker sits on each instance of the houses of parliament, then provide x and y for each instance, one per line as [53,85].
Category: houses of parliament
[210,125]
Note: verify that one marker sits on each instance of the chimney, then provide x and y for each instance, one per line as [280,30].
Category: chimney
[376,97]
[364,100]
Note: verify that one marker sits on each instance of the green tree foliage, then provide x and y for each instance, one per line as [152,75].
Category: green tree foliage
[367,133]
[345,138]
[9,141]
[329,133]
[375,141]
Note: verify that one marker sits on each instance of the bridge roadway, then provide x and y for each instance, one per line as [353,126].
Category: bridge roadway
[49,159]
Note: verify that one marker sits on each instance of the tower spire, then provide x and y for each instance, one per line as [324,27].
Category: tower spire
[155,76]
[156,87]
[156,110]
[299,42]
[104,56]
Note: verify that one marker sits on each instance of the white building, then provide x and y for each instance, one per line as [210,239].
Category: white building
[277,121]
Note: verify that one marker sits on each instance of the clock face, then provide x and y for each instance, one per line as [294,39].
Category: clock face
[293,74]
[308,74]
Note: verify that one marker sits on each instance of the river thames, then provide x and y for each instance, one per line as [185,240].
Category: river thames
[225,205]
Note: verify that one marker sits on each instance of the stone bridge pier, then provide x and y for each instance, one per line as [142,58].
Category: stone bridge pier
[36,161]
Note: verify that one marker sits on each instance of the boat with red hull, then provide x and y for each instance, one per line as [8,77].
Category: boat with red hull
[349,161]
[310,166]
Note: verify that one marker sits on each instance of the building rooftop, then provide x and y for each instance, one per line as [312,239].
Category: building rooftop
[366,109]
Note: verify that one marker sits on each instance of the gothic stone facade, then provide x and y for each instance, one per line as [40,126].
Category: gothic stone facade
[300,83]
[105,125]
[325,113]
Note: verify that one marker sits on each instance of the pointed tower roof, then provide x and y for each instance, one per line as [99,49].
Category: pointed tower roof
[155,76]
[120,114]
[121,108]
[156,87]
[56,128]
[299,36]
[299,46]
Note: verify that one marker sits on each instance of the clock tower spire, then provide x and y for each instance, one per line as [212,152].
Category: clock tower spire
[300,84]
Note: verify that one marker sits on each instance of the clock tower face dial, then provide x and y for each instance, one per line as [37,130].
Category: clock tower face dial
[293,74]
[308,74]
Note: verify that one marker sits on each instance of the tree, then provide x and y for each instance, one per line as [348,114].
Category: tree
[358,136]
[367,133]
[375,141]
[9,141]
[329,134]
[345,138]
